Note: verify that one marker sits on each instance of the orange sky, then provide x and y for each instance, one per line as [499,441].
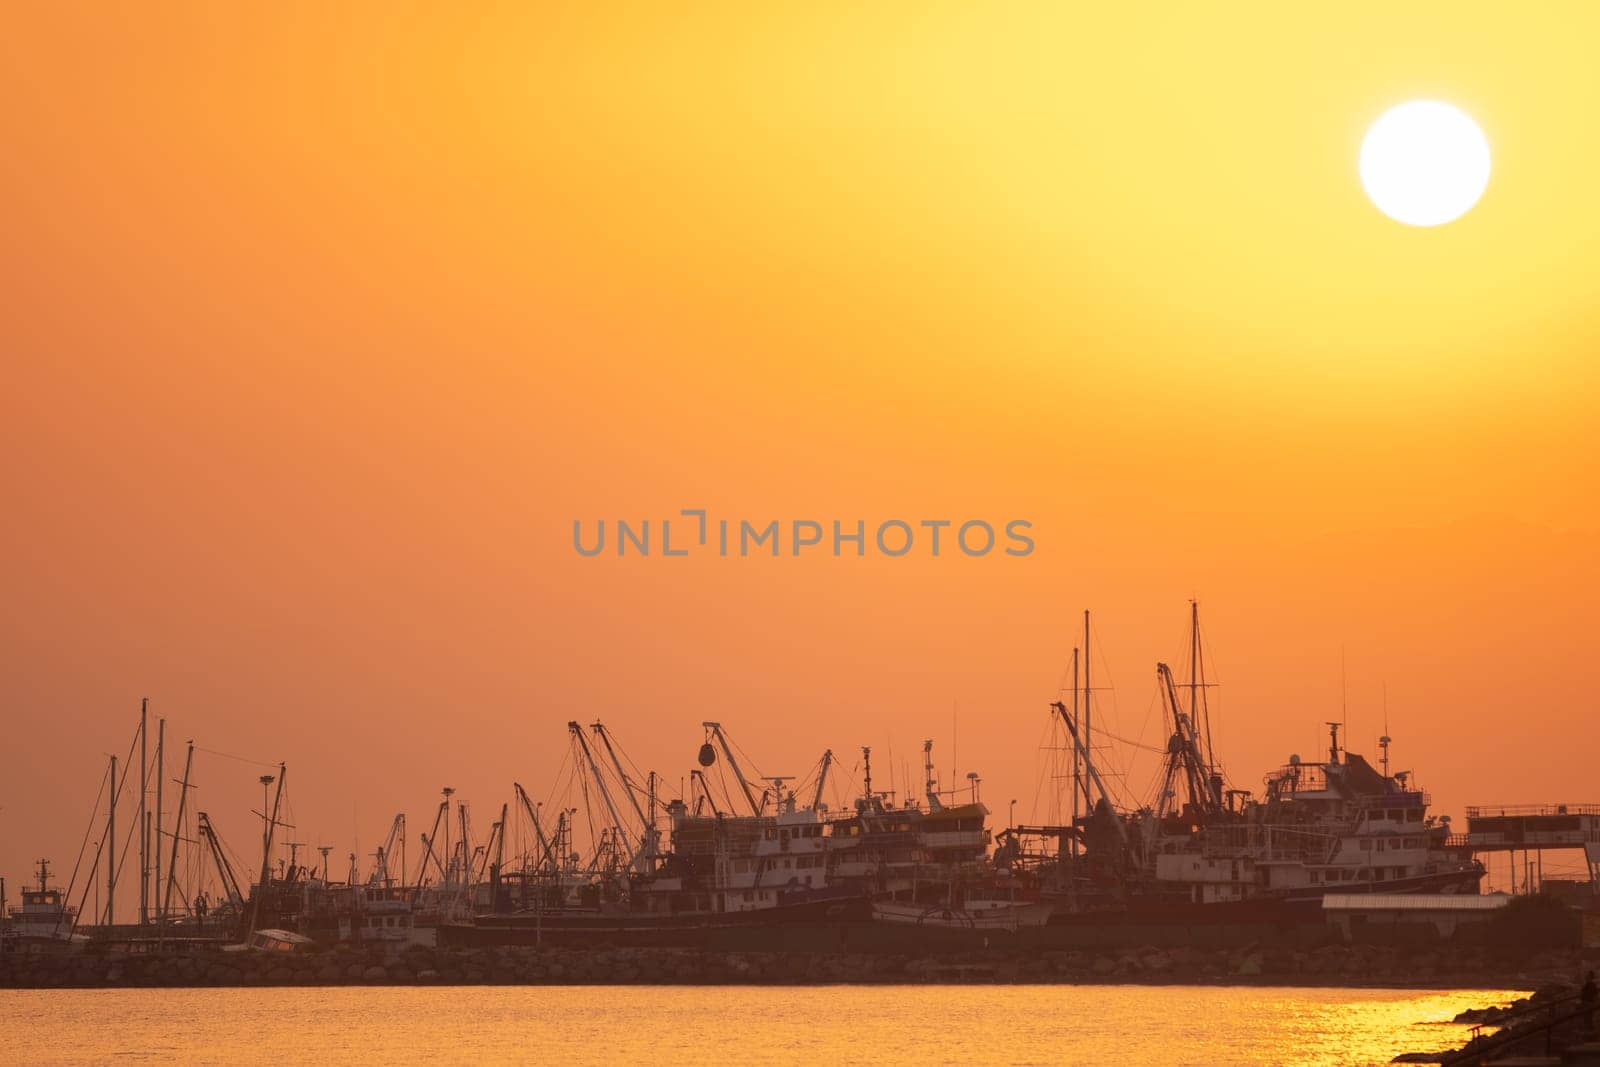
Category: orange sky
[321,331]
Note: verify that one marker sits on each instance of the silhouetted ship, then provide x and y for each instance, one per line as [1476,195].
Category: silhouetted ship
[1206,852]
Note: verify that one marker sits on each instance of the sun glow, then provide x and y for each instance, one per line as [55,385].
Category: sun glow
[1424,163]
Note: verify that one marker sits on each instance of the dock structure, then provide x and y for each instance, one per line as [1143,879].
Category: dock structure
[1532,830]
[1360,915]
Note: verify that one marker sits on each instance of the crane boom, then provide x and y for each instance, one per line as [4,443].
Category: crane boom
[1088,763]
[422,865]
[1188,751]
[648,845]
[697,775]
[605,793]
[822,778]
[622,776]
[225,875]
[727,751]
[546,850]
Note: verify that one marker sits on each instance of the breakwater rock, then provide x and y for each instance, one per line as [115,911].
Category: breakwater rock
[1330,965]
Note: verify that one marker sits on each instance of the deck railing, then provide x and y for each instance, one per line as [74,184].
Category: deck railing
[1493,811]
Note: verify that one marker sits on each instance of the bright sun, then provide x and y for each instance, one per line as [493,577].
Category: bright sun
[1424,163]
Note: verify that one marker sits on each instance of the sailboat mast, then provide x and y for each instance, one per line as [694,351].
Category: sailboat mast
[266,852]
[177,828]
[111,849]
[155,868]
[142,816]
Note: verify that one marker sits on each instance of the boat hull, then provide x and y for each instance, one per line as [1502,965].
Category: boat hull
[695,930]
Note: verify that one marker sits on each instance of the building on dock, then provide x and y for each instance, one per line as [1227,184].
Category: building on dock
[1523,833]
[1359,916]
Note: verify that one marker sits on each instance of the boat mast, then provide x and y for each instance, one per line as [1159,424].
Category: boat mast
[111,849]
[449,858]
[651,804]
[1088,711]
[155,869]
[465,868]
[1199,718]
[1072,821]
[142,815]
[266,848]
[499,859]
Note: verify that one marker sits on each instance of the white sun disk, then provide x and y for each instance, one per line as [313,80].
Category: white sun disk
[1424,163]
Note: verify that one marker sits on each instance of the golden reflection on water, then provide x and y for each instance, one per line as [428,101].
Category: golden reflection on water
[648,1025]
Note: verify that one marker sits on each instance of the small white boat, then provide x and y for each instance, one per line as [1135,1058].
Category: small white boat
[44,922]
[274,942]
[989,917]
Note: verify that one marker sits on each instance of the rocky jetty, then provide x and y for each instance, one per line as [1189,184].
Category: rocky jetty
[1501,1026]
[1330,965]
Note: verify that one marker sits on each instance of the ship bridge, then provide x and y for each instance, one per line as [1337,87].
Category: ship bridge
[1533,829]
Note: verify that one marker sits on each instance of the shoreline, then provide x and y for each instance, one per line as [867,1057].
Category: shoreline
[1339,966]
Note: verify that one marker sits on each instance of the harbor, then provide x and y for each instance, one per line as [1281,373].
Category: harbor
[1338,858]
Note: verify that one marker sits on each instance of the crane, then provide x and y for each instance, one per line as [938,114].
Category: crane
[1088,764]
[1184,752]
[385,851]
[727,751]
[605,793]
[648,837]
[697,775]
[225,875]
[428,839]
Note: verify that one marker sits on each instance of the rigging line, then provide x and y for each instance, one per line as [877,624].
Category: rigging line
[644,776]
[727,793]
[563,787]
[842,773]
[118,786]
[94,817]
[1038,779]
[230,755]
[747,757]
[1134,744]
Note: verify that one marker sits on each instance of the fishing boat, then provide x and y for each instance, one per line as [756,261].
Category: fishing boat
[44,922]
[1206,850]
